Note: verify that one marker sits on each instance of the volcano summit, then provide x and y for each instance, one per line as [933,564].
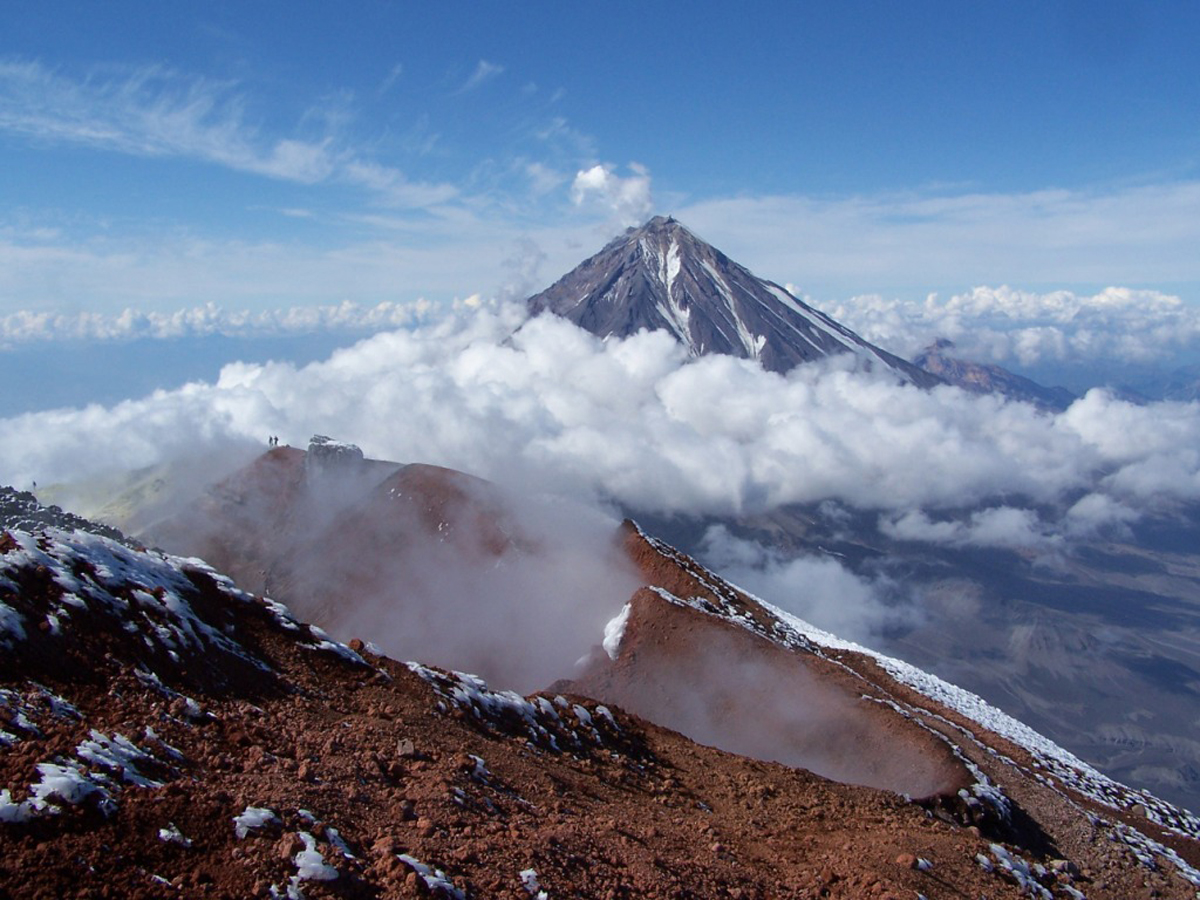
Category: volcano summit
[661,276]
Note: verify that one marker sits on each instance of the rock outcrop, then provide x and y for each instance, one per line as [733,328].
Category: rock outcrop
[325,455]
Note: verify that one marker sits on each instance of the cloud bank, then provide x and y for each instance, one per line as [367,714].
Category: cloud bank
[636,422]
[545,407]
[30,327]
[1005,325]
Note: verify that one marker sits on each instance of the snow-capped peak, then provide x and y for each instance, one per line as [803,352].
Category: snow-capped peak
[661,276]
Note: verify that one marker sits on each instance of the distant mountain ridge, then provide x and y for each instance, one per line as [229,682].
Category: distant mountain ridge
[662,277]
[983,378]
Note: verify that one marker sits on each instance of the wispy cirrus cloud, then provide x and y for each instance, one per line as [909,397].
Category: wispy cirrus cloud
[484,71]
[394,74]
[392,188]
[153,111]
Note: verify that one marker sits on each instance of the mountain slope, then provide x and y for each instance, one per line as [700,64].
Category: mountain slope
[1095,647]
[412,607]
[443,567]
[661,276]
[165,733]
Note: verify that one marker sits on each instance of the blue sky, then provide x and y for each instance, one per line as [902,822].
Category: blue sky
[265,155]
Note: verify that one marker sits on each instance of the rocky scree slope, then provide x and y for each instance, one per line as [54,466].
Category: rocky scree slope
[683,665]
[1096,651]
[164,727]
[166,734]
[663,277]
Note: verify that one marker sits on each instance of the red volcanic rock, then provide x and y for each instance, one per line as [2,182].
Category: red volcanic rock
[707,666]
[220,746]
[170,735]
[725,686]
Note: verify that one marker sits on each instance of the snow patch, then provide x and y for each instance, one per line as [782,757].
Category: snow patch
[537,718]
[529,881]
[172,835]
[69,784]
[117,753]
[310,864]
[251,818]
[338,842]
[676,313]
[12,626]
[435,879]
[614,631]
[1018,870]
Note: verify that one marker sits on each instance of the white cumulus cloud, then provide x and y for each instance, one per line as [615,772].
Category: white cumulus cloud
[1005,325]
[627,198]
[637,422]
[1000,526]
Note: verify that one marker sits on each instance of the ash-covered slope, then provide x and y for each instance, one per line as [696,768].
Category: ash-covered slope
[166,734]
[983,378]
[661,276]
